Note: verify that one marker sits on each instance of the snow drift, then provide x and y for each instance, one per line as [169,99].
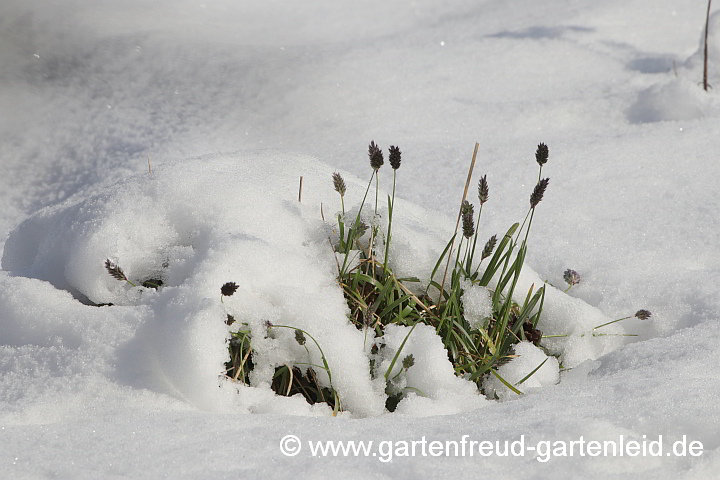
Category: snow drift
[200,223]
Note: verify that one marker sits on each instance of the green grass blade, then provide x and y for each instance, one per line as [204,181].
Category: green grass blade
[533,372]
[505,382]
[437,264]
[397,354]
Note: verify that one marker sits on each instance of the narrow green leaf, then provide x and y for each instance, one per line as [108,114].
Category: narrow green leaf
[505,382]
[533,372]
[397,354]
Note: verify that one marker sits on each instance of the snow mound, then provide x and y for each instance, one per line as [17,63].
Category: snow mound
[676,99]
[529,357]
[682,97]
[199,223]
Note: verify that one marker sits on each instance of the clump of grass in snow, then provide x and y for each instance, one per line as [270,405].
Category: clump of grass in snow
[288,383]
[288,379]
[378,298]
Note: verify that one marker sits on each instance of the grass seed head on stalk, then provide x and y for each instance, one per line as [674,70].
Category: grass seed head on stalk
[228,289]
[468,221]
[367,318]
[360,229]
[115,271]
[339,183]
[300,337]
[541,154]
[408,361]
[489,247]
[394,157]
[571,277]
[538,192]
[376,156]
[483,189]
[643,314]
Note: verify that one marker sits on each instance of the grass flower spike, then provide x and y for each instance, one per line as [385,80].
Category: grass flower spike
[339,183]
[571,277]
[538,192]
[228,289]
[408,361]
[489,247]
[376,156]
[394,157]
[483,190]
[116,272]
[541,154]
[468,221]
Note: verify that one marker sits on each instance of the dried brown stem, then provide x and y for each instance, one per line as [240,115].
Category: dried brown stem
[457,224]
[705,60]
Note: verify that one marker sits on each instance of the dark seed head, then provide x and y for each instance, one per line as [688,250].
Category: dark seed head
[408,361]
[489,247]
[571,277]
[367,318]
[376,156]
[532,334]
[115,271]
[483,189]
[229,288]
[300,337]
[360,229]
[541,154]
[339,183]
[538,192]
[394,157]
[468,221]
[643,314]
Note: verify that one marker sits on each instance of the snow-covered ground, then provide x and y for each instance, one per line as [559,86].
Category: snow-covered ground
[90,89]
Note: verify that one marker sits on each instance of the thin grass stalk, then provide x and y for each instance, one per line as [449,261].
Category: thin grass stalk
[705,55]
[457,223]
[353,229]
[391,207]
[397,354]
[477,230]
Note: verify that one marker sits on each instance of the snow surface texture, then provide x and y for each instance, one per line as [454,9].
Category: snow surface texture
[94,88]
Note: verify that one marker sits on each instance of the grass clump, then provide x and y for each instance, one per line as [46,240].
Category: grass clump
[289,379]
[377,298]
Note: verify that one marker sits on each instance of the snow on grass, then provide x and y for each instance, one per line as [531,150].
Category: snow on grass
[477,302]
[200,223]
[93,88]
[527,359]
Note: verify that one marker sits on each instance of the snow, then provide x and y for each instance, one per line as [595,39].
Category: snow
[527,359]
[477,304]
[92,89]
